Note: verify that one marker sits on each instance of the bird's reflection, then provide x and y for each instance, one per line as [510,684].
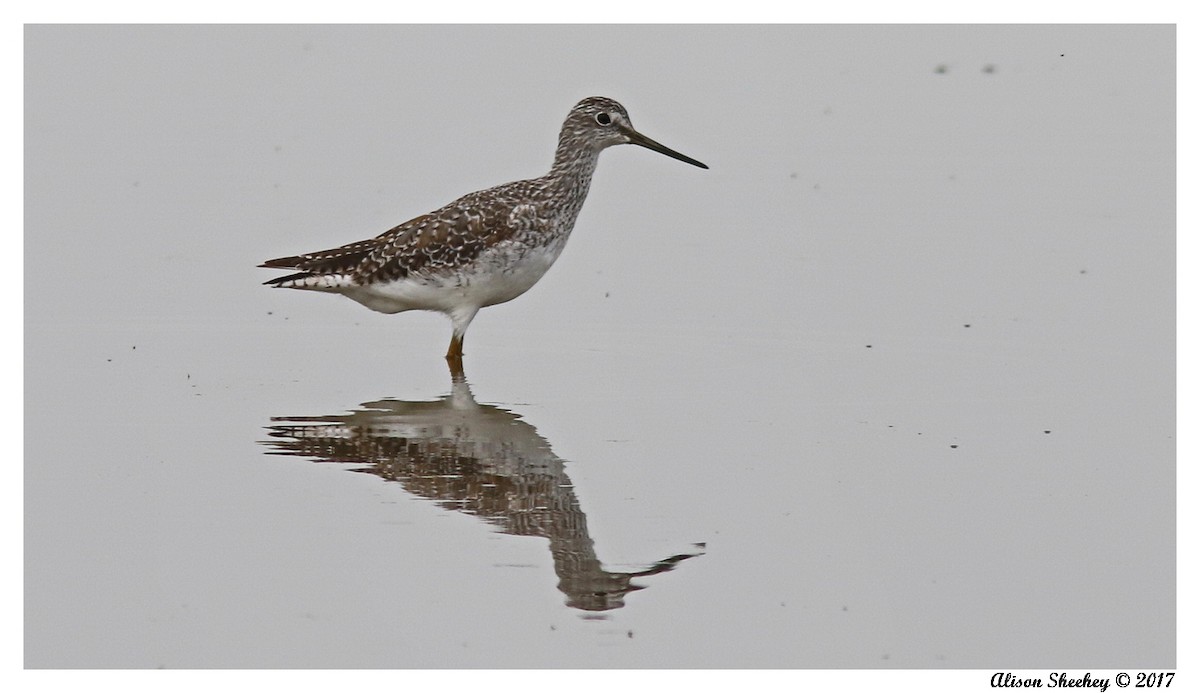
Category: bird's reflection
[479,459]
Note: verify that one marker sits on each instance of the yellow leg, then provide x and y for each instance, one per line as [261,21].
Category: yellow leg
[455,351]
[460,319]
[454,359]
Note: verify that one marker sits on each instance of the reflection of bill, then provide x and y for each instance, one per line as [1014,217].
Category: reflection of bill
[478,459]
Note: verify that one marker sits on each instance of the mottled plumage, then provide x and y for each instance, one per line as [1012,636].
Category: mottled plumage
[484,248]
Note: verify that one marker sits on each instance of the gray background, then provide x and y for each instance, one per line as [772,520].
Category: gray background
[771,357]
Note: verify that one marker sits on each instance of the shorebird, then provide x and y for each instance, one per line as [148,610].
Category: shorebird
[484,248]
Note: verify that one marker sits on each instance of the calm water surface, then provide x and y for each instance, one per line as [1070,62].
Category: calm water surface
[890,386]
[477,459]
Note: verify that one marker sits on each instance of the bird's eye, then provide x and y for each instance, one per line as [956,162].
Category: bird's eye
[603,119]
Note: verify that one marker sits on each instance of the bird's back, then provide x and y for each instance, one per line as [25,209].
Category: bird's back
[446,241]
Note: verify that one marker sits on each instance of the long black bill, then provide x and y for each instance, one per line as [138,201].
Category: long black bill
[641,140]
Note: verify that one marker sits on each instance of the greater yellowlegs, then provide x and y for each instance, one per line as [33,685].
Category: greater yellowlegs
[484,248]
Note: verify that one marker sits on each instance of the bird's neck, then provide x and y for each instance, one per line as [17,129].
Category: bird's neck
[573,166]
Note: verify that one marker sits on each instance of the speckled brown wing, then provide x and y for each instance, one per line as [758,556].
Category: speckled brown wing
[443,240]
